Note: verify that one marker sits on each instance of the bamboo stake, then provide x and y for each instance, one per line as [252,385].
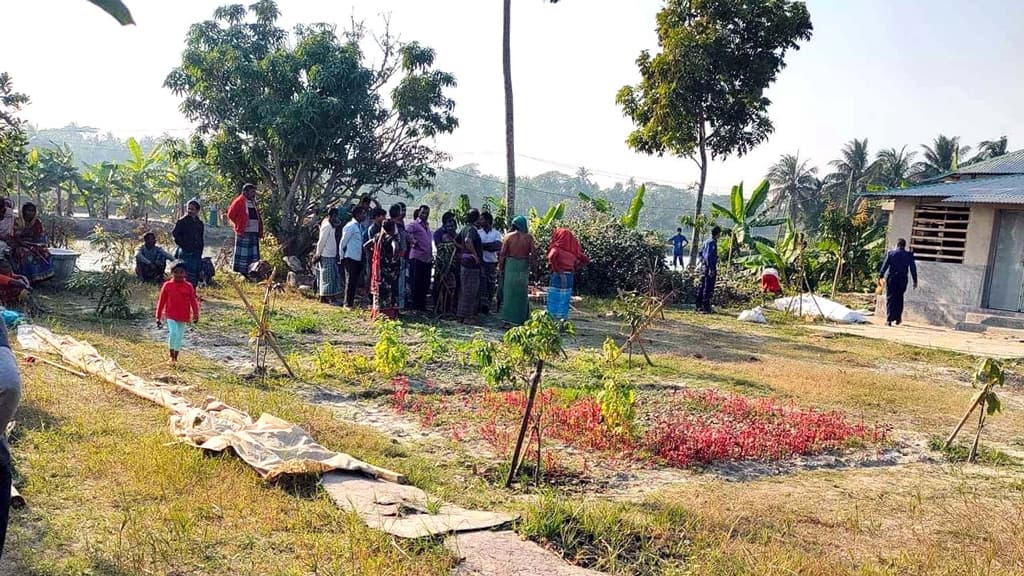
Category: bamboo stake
[534,384]
[974,404]
[977,437]
[54,364]
[271,340]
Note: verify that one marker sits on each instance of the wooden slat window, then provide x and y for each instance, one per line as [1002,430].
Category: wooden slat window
[940,233]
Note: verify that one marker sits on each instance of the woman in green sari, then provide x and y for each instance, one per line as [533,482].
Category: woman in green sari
[514,266]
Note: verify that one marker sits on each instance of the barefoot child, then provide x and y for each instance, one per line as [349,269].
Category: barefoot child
[179,304]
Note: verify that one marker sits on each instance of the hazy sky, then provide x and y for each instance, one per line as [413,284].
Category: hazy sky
[895,71]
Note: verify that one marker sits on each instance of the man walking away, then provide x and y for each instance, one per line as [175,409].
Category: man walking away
[245,219]
[350,250]
[678,243]
[709,271]
[895,268]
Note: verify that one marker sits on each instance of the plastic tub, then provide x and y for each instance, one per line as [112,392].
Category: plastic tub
[63,261]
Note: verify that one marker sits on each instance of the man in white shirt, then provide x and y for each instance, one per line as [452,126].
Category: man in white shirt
[350,250]
[490,242]
[326,257]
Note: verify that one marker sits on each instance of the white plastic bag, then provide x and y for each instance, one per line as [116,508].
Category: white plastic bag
[814,306]
[756,316]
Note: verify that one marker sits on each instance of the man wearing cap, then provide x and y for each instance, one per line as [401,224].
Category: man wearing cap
[245,219]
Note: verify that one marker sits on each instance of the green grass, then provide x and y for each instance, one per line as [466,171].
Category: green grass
[959,451]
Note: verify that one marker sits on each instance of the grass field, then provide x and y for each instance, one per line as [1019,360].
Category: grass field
[110,493]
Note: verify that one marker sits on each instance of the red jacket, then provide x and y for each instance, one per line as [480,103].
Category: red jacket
[566,254]
[238,213]
[177,302]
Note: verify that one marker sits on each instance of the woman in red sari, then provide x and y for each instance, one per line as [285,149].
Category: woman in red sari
[385,267]
[30,256]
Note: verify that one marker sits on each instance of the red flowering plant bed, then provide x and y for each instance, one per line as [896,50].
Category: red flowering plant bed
[697,427]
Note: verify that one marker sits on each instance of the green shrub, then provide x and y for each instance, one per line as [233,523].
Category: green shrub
[390,354]
[620,257]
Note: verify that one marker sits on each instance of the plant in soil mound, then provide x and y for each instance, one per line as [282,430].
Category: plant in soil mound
[113,285]
[987,376]
[525,348]
[390,354]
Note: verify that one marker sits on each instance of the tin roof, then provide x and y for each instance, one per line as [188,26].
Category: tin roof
[1009,163]
[994,190]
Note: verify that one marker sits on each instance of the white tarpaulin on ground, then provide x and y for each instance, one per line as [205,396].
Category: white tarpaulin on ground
[815,306]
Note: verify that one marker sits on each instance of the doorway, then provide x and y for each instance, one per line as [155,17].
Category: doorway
[1006,280]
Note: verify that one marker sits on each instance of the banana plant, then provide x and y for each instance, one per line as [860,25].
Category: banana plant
[744,215]
[598,204]
[144,177]
[631,219]
[555,212]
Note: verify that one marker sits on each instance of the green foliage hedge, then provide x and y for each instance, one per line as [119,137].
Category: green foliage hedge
[620,257]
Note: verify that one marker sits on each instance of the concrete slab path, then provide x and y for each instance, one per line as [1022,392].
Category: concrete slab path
[1001,344]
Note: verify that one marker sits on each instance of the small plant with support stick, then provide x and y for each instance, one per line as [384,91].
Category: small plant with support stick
[264,336]
[638,311]
[524,347]
[988,375]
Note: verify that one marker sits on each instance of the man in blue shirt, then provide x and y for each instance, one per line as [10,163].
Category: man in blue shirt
[678,243]
[350,250]
[895,268]
[709,271]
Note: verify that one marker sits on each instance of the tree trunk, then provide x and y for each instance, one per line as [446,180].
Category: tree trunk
[510,147]
[60,204]
[538,372]
[695,245]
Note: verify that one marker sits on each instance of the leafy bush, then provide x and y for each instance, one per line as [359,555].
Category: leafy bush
[389,354]
[620,257]
[114,284]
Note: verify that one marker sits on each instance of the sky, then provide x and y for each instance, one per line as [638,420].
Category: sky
[898,72]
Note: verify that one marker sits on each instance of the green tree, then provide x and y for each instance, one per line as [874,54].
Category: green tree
[988,149]
[702,97]
[306,116]
[98,185]
[942,157]
[851,174]
[186,177]
[12,132]
[143,178]
[52,170]
[894,168]
[795,185]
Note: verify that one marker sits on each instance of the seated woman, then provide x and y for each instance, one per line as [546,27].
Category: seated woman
[30,256]
[151,260]
[13,287]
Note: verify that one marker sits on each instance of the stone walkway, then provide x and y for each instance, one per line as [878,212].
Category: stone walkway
[1003,344]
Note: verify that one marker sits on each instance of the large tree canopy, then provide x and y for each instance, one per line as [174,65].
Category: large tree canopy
[305,115]
[703,94]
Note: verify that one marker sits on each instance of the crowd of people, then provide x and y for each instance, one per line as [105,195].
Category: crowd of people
[464,268]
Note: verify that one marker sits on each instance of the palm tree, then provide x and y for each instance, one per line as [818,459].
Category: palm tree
[510,148]
[895,168]
[941,157]
[852,172]
[143,177]
[795,184]
[988,149]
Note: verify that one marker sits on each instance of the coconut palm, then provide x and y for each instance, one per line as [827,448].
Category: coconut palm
[894,168]
[510,152]
[795,185]
[988,149]
[851,175]
[942,157]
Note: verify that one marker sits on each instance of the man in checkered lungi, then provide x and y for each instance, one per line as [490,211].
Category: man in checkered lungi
[248,225]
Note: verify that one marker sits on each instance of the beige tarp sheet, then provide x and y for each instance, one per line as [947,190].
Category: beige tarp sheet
[270,445]
[274,447]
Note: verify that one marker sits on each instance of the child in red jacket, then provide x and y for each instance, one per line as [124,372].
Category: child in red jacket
[178,303]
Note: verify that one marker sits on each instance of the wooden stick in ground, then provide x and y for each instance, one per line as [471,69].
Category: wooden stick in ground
[534,384]
[977,437]
[271,340]
[974,404]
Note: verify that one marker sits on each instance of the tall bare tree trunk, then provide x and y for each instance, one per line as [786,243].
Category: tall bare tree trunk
[695,245]
[510,146]
[60,204]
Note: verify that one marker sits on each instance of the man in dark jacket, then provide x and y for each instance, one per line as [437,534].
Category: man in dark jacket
[709,271]
[896,267]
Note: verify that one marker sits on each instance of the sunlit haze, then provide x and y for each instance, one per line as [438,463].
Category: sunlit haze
[896,72]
